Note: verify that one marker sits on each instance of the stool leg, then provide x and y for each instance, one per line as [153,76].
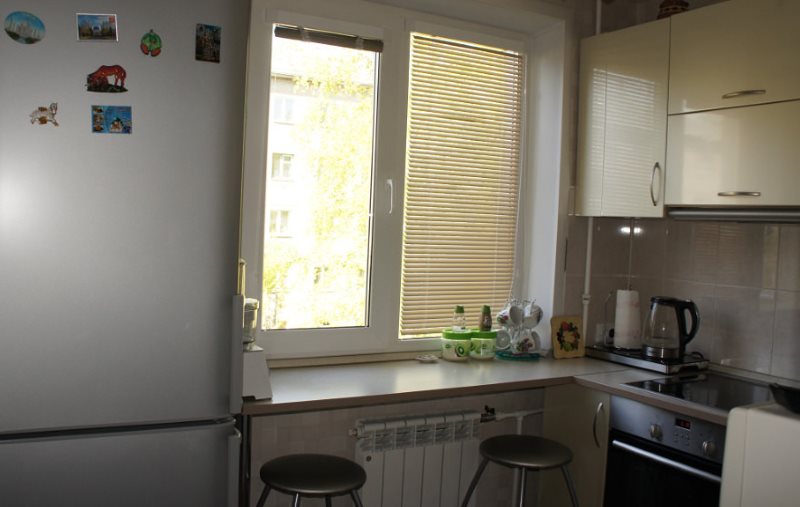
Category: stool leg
[474,482]
[356,499]
[568,478]
[296,502]
[522,480]
[327,501]
[263,497]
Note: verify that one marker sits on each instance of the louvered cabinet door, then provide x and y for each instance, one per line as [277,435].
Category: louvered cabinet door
[622,122]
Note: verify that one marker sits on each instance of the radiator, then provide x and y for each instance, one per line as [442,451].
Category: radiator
[418,461]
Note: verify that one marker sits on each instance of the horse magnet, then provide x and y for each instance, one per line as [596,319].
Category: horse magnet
[45,115]
[100,80]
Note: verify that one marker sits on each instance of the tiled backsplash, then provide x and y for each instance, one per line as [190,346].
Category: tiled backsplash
[744,278]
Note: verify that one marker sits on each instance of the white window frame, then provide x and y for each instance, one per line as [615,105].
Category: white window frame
[393,26]
[283,223]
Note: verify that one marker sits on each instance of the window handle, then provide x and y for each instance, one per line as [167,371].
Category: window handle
[390,188]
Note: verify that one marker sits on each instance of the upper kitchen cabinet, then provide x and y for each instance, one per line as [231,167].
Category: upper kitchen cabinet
[742,156]
[622,122]
[734,53]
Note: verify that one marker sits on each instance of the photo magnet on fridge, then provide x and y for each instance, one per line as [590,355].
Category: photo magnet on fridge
[208,39]
[100,80]
[151,44]
[24,27]
[97,27]
[44,115]
[112,120]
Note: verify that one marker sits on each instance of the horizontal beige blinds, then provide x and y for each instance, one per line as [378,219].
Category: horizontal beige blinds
[462,182]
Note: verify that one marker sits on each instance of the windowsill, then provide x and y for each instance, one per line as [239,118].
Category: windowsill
[312,388]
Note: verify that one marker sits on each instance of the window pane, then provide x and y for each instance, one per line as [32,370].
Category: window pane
[462,181]
[320,136]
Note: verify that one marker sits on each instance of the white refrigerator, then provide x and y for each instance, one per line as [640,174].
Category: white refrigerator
[119,350]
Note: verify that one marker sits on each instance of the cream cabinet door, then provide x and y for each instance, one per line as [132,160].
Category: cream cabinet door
[734,53]
[744,156]
[622,122]
[578,418]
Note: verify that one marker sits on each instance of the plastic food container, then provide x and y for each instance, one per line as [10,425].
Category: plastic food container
[483,344]
[456,345]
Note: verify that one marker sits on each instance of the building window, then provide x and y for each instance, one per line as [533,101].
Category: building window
[282,166]
[283,108]
[279,223]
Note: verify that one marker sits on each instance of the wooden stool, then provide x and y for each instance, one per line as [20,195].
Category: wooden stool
[314,475]
[524,452]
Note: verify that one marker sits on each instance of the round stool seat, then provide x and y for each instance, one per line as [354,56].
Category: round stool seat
[313,475]
[525,451]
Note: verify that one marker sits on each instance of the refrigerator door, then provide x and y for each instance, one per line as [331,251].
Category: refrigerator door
[118,252]
[191,466]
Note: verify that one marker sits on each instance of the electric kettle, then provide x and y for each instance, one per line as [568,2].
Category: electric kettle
[665,331]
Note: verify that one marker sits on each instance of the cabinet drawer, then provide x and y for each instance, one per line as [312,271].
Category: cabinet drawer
[735,157]
[735,53]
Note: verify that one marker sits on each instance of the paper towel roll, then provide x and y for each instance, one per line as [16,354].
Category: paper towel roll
[627,328]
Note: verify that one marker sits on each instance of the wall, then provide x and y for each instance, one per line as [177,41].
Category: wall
[745,279]
[327,432]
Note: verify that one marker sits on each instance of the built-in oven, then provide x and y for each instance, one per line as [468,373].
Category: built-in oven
[659,458]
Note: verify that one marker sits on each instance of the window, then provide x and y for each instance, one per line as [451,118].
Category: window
[279,223]
[283,108]
[405,167]
[282,166]
[334,86]
[462,180]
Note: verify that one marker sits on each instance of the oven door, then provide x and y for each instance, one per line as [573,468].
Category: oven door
[642,473]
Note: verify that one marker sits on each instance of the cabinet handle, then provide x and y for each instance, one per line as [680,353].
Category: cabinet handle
[743,93]
[594,424]
[739,194]
[657,167]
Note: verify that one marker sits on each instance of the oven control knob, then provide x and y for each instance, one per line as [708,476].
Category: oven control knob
[709,448]
[655,431]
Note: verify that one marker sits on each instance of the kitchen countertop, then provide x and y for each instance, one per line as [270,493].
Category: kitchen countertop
[312,388]
[341,386]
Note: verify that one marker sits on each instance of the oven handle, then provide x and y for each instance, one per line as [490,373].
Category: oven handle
[666,461]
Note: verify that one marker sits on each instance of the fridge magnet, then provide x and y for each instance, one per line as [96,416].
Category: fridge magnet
[111,120]
[100,80]
[151,44]
[97,27]
[45,115]
[24,27]
[566,336]
[207,43]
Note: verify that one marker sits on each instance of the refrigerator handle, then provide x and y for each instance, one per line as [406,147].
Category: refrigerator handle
[237,354]
[234,448]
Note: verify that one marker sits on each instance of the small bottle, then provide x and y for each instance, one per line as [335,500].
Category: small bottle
[486,319]
[459,319]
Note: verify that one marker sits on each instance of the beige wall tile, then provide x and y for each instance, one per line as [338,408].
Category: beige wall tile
[789,258]
[610,246]
[786,348]
[748,255]
[692,249]
[745,321]
[576,249]
[649,248]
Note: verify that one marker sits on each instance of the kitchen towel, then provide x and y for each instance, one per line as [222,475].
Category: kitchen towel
[627,326]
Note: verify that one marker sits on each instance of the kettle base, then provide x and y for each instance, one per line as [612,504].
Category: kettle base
[661,353]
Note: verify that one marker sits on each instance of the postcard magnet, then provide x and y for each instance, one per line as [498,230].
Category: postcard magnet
[208,39]
[24,27]
[100,80]
[97,27]
[44,115]
[112,120]
[151,44]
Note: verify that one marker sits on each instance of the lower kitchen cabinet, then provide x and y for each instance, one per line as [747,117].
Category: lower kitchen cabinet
[578,418]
